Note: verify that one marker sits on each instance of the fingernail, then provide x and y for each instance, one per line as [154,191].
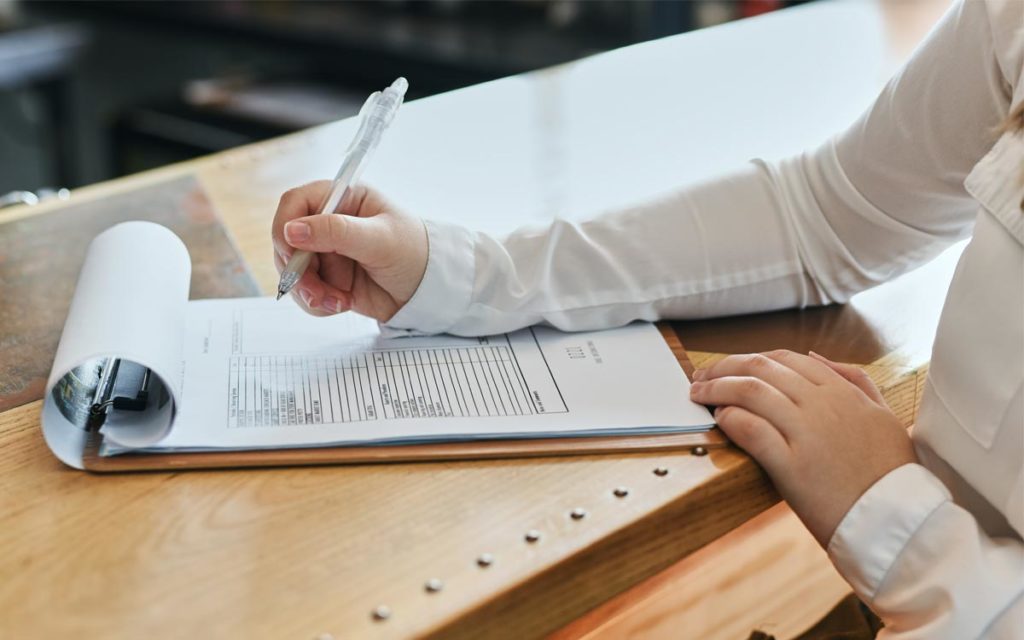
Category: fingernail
[296,231]
[700,374]
[331,304]
[306,296]
[695,388]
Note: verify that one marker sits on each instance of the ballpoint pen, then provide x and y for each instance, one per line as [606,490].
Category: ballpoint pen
[377,113]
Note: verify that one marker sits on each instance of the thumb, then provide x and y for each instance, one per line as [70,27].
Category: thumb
[364,240]
[855,375]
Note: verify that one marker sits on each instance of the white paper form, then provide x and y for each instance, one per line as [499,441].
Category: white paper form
[263,374]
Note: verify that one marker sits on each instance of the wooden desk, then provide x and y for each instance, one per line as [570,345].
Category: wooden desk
[297,553]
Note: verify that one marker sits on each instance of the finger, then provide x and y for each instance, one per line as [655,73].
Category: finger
[806,366]
[365,240]
[752,394]
[363,201]
[321,303]
[320,293]
[759,366]
[755,435]
[856,375]
[302,299]
[304,291]
[296,203]
[334,270]
[279,262]
[352,203]
[337,270]
[281,258]
[314,295]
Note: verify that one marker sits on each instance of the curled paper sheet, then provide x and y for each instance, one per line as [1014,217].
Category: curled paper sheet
[129,304]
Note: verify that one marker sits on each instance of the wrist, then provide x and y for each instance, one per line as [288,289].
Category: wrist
[420,249]
[446,286]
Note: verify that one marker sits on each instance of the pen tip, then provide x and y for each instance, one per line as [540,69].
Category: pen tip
[280,294]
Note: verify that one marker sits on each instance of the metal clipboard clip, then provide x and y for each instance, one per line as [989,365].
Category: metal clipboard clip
[104,401]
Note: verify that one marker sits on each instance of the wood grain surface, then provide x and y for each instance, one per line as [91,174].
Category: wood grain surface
[768,574]
[41,255]
[300,552]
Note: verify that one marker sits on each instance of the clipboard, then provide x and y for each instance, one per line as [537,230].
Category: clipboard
[697,442]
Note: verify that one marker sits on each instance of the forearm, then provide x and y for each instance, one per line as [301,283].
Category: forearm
[718,248]
[765,237]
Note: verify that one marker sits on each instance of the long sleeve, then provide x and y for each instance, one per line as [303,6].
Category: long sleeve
[678,257]
[881,198]
[922,563]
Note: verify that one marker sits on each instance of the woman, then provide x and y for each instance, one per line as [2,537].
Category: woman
[927,529]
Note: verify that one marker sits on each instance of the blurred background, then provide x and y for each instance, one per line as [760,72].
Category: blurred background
[93,90]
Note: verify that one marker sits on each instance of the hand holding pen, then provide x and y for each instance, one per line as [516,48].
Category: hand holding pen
[370,260]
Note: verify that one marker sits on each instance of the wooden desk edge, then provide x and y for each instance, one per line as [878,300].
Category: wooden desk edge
[627,556]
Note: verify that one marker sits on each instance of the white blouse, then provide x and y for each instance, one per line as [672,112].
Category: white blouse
[934,548]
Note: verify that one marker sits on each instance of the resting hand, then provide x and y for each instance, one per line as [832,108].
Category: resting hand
[369,260]
[820,429]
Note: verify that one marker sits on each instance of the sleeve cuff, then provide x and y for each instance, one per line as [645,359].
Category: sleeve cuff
[446,289]
[881,523]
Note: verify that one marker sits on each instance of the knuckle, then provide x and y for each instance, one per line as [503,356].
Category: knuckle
[756,443]
[745,430]
[778,354]
[288,196]
[358,196]
[718,368]
[748,387]
[759,362]
[740,427]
